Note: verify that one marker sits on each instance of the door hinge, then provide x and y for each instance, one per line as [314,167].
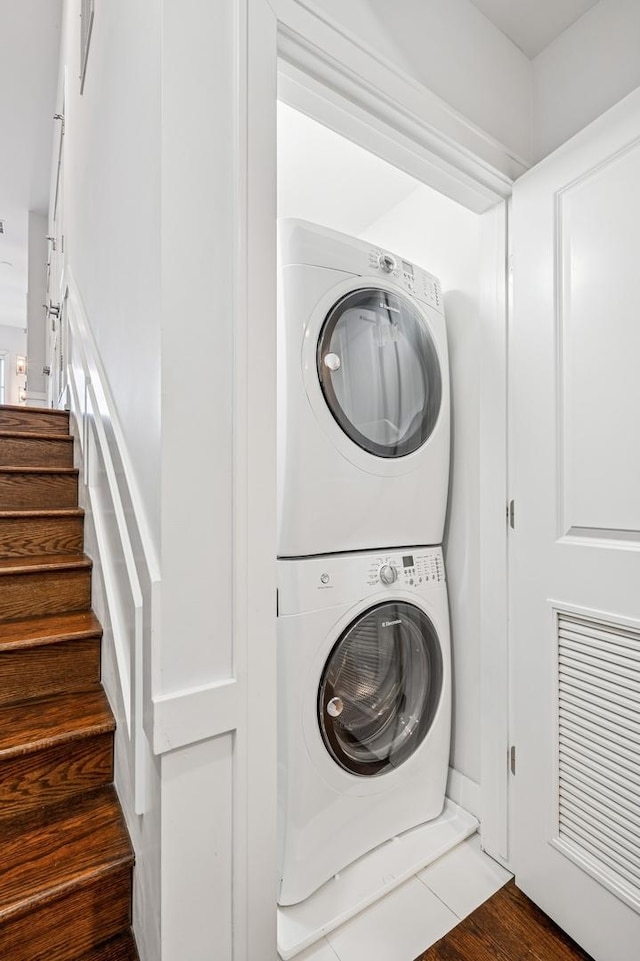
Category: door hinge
[512,758]
[511,514]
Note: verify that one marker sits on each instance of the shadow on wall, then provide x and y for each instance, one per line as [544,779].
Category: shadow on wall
[461,535]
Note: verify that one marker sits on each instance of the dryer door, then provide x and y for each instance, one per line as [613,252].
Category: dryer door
[380,688]
[379,371]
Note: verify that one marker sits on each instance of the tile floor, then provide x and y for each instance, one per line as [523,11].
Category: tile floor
[421,911]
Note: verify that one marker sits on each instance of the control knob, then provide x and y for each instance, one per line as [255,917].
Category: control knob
[387,263]
[388,574]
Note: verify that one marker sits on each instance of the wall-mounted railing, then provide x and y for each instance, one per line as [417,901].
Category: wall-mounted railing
[126,556]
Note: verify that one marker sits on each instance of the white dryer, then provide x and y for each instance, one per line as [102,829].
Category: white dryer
[363,396]
[364,674]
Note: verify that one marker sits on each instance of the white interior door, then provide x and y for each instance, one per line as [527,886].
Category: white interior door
[576,542]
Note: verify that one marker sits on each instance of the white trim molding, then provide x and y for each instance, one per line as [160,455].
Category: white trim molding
[194,715]
[465,793]
[494,673]
[333,76]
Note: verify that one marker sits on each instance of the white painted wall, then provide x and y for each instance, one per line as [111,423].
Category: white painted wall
[112,213]
[28,73]
[324,178]
[13,340]
[36,315]
[588,68]
[163,291]
[452,49]
[111,225]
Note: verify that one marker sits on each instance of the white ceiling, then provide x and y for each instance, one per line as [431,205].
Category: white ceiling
[533,24]
[30,31]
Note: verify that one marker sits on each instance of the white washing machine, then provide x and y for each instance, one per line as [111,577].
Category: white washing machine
[364,706]
[363,396]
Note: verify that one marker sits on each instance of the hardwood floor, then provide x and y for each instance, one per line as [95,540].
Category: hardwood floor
[507,927]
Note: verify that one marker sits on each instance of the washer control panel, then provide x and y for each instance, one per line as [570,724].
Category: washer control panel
[422,567]
[414,280]
[329,580]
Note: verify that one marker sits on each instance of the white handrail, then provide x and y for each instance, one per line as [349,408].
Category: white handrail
[120,523]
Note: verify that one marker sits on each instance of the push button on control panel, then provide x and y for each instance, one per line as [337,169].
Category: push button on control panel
[422,569]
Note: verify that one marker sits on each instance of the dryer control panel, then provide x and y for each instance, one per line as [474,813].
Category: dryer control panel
[301,242]
[415,281]
[312,583]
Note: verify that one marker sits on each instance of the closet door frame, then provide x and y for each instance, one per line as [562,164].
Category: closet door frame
[387,113]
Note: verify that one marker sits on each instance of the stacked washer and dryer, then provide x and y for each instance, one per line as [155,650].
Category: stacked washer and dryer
[363,623]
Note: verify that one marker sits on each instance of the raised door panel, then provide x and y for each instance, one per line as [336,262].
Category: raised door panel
[598,237]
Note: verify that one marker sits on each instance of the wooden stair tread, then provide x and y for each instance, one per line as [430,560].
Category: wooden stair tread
[60,848]
[52,411]
[36,435]
[37,724]
[37,471]
[43,512]
[122,948]
[43,562]
[36,631]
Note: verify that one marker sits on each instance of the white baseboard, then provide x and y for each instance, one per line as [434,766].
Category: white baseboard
[464,792]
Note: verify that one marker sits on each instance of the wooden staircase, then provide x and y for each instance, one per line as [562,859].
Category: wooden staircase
[66,860]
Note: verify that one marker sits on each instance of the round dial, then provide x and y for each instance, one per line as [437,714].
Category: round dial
[387,263]
[388,574]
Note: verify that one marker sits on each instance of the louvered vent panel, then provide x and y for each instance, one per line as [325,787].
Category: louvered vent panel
[599,745]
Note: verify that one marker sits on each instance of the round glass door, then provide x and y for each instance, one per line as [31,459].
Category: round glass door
[379,372]
[380,689]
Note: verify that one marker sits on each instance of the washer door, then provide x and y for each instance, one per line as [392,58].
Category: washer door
[379,372]
[380,688]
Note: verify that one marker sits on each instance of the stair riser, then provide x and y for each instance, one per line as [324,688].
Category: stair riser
[49,592]
[23,492]
[35,452]
[118,949]
[49,669]
[31,420]
[22,537]
[54,774]
[66,928]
